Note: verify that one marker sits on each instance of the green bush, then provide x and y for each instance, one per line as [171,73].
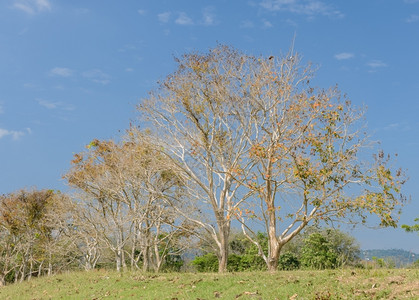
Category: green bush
[317,253]
[288,261]
[236,263]
[206,263]
[172,263]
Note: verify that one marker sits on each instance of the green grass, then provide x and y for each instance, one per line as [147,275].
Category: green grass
[329,284]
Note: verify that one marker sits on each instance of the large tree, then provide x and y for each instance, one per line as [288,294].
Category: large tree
[200,118]
[255,141]
[309,158]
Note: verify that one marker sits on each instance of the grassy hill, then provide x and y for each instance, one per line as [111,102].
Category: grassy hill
[328,284]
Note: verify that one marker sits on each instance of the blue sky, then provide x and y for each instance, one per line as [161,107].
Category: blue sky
[72,71]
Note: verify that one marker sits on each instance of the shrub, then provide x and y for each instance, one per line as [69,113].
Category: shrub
[317,253]
[206,263]
[288,261]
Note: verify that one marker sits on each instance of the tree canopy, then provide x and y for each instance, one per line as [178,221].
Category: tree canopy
[258,143]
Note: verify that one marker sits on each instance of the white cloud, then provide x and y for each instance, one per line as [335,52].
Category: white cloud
[164,17]
[97,75]
[267,24]
[412,19]
[141,12]
[54,105]
[47,104]
[304,7]
[247,24]
[62,72]
[127,47]
[402,126]
[32,6]
[183,19]
[376,64]
[344,55]
[13,133]
[208,16]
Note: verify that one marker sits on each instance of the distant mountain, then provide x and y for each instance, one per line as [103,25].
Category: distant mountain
[400,257]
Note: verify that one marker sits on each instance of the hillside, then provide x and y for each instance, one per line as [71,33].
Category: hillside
[400,257]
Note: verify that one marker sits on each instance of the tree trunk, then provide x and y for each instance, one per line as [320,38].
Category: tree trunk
[273,245]
[146,264]
[273,256]
[223,234]
[30,270]
[118,259]
[133,248]
[40,269]
[123,261]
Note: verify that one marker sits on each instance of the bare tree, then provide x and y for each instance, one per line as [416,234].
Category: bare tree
[240,126]
[199,117]
[122,187]
[309,163]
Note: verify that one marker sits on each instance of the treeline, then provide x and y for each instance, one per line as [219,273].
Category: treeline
[227,140]
[45,232]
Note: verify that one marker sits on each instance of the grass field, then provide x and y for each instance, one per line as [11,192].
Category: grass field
[328,284]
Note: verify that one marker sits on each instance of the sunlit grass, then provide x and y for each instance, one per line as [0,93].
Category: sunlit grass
[328,284]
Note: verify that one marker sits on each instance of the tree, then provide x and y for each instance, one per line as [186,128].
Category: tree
[123,188]
[344,245]
[255,142]
[307,159]
[199,119]
[35,234]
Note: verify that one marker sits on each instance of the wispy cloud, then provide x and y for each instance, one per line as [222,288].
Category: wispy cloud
[376,64]
[208,16]
[98,76]
[142,12]
[247,24]
[344,55]
[266,24]
[127,47]
[303,7]
[61,72]
[13,133]
[54,105]
[32,6]
[402,126]
[164,17]
[183,19]
[412,19]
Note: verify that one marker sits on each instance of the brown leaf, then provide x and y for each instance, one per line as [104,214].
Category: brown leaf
[293,297]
